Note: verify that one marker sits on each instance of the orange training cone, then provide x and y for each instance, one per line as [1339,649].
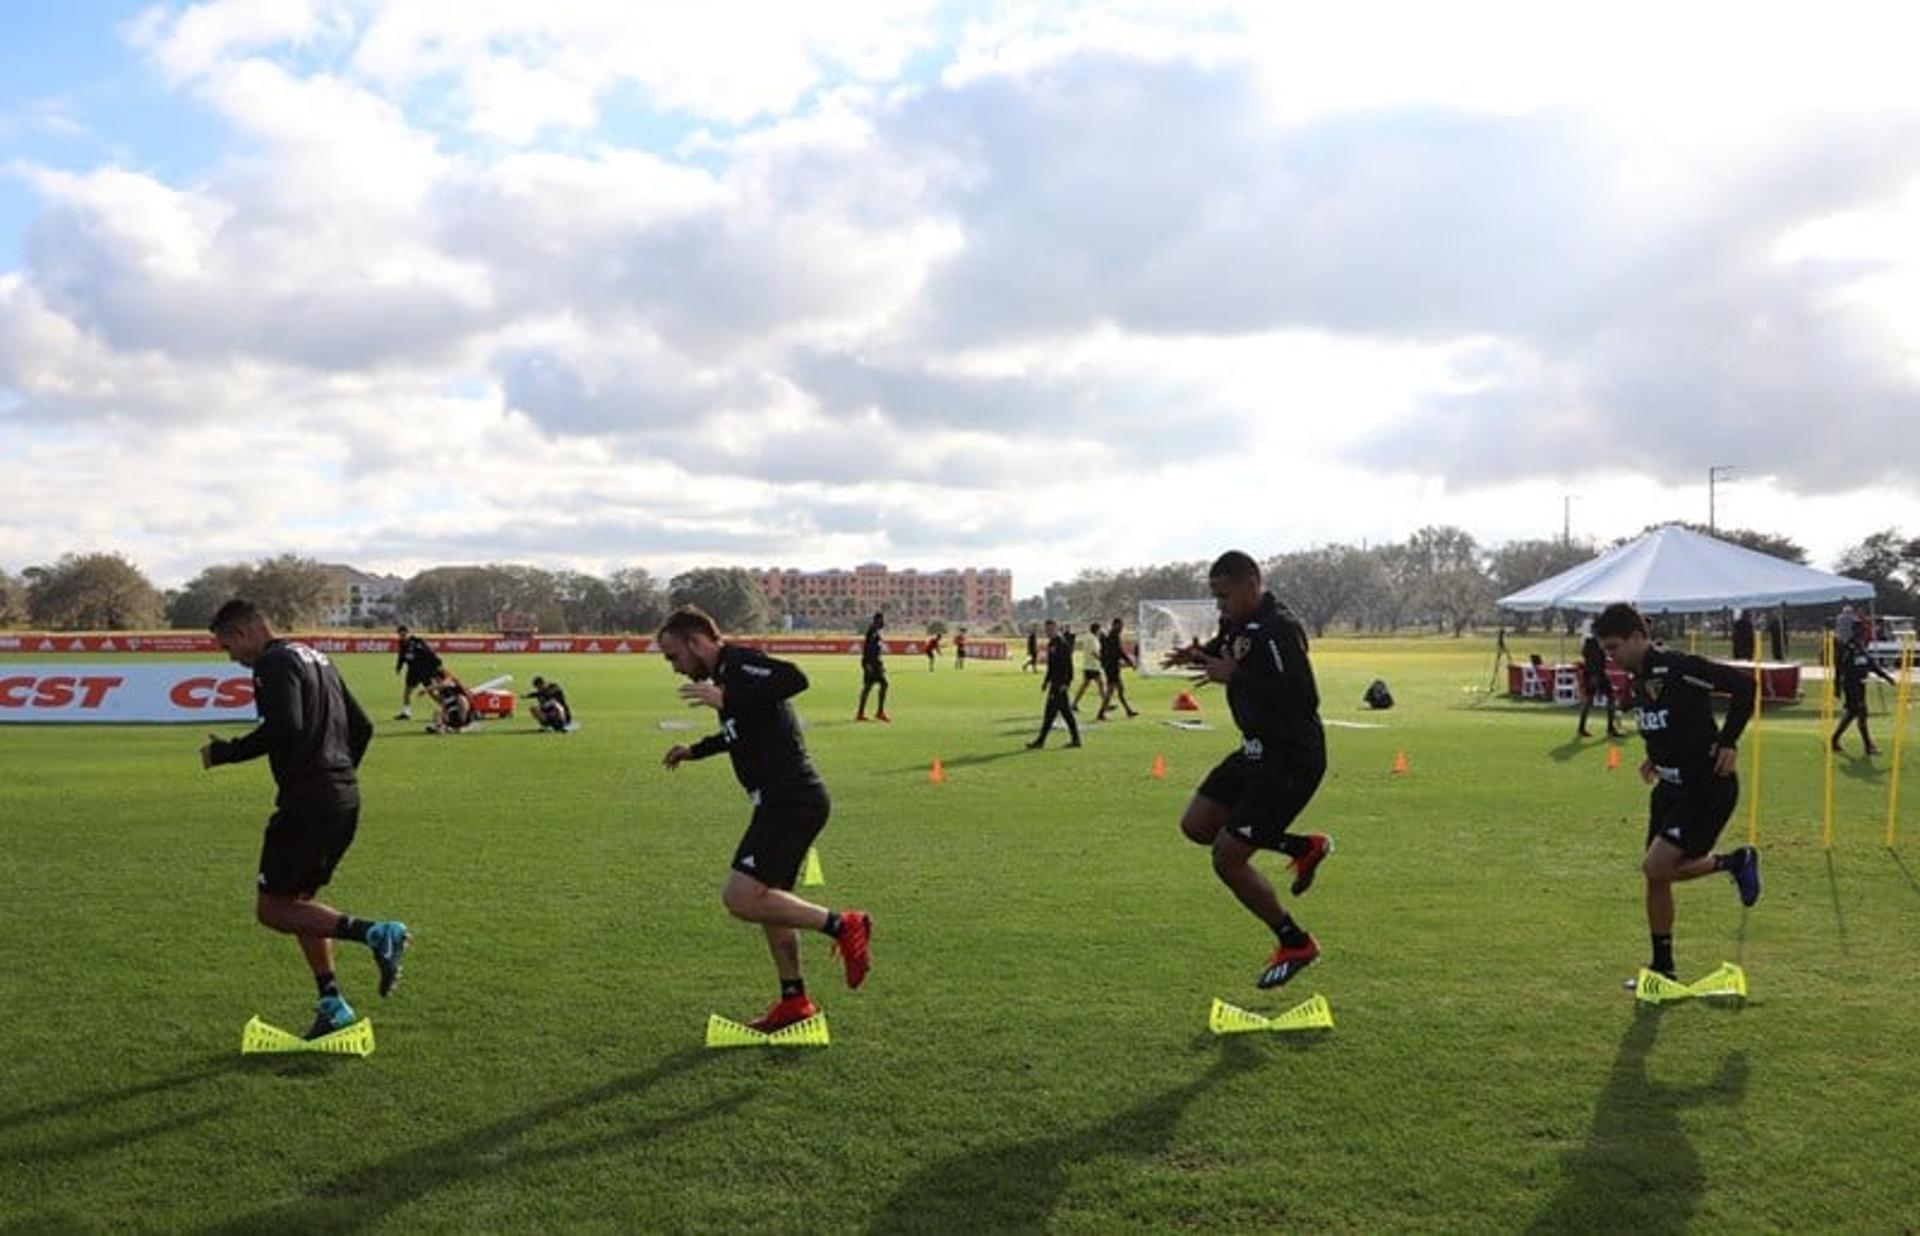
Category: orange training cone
[1160,767]
[1184,702]
[1400,764]
[1613,758]
[936,774]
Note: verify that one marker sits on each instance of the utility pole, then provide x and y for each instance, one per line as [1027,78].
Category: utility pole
[1715,474]
[1566,518]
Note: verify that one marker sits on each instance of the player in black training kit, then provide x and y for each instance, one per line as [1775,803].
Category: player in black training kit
[1595,682]
[422,664]
[1033,651]
[1247,803]
[960,649]
[1690,765]
[1059,678]
[314,736]
[873,669]
[1113,655]
[549,706]
[758,731]
[1855,664]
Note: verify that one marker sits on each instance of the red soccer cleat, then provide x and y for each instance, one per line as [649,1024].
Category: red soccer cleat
[856,926]
[1286,962]
[784,1012]
[1303,866]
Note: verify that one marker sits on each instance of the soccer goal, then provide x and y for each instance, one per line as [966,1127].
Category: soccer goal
[1166,625]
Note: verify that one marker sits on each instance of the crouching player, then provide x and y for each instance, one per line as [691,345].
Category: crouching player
[1690,765]
[549,706]
[758,731]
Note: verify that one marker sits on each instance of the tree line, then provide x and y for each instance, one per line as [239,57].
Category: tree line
[1440,578]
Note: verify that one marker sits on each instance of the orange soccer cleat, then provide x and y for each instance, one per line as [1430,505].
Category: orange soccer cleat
[856,927]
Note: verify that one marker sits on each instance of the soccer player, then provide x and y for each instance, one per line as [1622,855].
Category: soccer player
[1090,671]
[1595,681]
[314,735]
[960,649]
[1059,678]
[1855,664]
[549,706]
[933,650]
[1248,802]
[752,692]
[1033,649]
[453,704]
[873,669]
[422,664]
[1113,656]
[1690,765]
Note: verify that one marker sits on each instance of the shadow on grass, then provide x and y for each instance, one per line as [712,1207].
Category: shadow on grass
[1015,1186]
[95,1107]
[1839,913]
[91,1103]
[1638,1172]
[1571,748]
[1860,768]
[1905,870]
[366,1195]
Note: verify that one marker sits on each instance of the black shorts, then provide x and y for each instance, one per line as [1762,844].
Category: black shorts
[551,713]
[303,845]
[420,675]
[1855,699]
[777,837]
[1112,672]
[1265,796]
[875,675]
[1599,684]
[1691,817]
[1090,675]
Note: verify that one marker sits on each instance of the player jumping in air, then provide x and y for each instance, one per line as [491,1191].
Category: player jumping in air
[752,692]
[314,735]
[1690,765]
[1248,802]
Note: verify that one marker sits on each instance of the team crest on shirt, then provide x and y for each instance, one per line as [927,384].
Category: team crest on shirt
[1652,689]
[1241,647]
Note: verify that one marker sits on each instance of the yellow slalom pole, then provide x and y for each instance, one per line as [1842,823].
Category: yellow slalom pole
[1831,661]
[1901,697]
[1753,807]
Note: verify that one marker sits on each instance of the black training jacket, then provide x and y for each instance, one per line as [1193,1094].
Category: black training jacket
[311,729]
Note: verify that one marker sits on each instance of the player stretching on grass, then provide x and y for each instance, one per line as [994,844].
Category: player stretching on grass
[1247,803]
[313,735]
[1689,764]
[750,691]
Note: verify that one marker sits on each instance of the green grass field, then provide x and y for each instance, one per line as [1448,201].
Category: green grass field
[1030,1052]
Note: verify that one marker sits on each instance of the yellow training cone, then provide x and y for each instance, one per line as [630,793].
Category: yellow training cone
[811,875]
[1313,1013]
[1728,980]
[355,1040]
[809,1033]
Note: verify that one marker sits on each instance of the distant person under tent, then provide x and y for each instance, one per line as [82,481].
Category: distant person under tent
[1744,643]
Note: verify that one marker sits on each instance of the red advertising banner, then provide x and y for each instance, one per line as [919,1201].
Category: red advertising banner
[187,641]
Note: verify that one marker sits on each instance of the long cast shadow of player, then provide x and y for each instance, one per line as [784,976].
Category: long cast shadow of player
[365,1195]
[25,1126]
[1014,1187]
[1637,1171]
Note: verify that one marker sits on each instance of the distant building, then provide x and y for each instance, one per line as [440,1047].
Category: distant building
[846,599]
[361,599]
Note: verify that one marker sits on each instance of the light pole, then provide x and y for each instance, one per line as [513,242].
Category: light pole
[1715,474]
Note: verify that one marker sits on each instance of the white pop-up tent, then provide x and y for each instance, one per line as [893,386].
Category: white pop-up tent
[1674,570]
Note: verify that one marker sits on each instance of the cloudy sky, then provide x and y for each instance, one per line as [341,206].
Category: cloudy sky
[1043,286]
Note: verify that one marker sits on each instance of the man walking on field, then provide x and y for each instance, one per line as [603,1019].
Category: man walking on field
[1250,800]
[752,692]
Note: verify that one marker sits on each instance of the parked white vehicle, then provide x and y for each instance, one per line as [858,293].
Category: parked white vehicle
[1890,635]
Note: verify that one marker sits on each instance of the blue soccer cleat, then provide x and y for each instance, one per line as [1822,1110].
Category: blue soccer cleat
[389,941]
[1746,877]
[330,1014]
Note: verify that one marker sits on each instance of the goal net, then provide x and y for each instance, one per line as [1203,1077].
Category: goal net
[1166,625]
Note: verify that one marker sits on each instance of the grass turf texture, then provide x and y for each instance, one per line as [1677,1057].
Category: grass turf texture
[1031,1050]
